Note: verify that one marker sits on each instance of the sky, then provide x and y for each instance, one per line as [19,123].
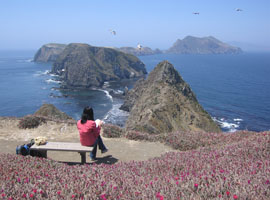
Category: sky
[28,24]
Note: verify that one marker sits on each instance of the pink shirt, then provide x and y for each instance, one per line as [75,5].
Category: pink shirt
[88,132]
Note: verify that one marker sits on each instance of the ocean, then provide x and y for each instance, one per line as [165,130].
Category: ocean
[233,89]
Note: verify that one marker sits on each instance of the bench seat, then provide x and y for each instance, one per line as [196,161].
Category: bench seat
[62,146]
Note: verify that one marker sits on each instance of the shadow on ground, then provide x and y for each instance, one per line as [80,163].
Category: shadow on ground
[109,160]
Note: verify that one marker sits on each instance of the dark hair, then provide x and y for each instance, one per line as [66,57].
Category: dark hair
[88,114]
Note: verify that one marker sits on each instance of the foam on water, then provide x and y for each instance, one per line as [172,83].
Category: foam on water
[107,94]
[238,120]
[116,116]
[24,60]
[53,81]
[42,73]
[227,125]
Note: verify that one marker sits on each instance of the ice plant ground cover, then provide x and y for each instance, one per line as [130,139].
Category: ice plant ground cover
[239,168]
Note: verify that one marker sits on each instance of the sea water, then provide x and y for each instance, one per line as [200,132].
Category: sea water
[233,89]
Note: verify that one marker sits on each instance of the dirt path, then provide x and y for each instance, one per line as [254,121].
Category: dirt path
[120,149]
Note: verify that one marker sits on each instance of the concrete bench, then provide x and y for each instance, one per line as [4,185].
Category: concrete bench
[62,146]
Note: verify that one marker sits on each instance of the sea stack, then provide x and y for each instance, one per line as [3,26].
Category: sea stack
[164,103]
[85,66]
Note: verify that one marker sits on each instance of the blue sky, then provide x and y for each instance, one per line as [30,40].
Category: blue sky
[29,24]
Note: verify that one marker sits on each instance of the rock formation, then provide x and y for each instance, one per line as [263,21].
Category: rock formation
[205,45]
[140,52]
[51,112]
[163,103]
[82,65]
[49,52]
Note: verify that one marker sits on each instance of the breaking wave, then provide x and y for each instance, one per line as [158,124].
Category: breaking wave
[228,125]
[107,94]
[116,116]
[42,73]
[53,81]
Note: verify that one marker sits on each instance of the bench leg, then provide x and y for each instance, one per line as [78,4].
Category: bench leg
[83,157]
[45,154]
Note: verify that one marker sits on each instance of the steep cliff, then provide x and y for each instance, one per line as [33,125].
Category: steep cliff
[205,45]
[164,102]
[49,52]
[82,65]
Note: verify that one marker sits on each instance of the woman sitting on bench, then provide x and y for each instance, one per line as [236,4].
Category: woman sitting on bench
[90,132]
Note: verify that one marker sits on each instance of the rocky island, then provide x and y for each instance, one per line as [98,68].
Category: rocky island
[204,45]
[139,52]
[82,65]
[49,52]
[164,102]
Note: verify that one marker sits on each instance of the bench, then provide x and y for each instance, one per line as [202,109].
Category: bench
[62,146]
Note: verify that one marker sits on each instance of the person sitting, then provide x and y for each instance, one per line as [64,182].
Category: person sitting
[89,131]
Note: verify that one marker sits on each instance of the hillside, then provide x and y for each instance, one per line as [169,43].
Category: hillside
[164,102]
[223,166]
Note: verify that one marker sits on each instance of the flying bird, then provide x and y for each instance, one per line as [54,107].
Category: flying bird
[139,46]
[112,32]
[238,9]
[196,13]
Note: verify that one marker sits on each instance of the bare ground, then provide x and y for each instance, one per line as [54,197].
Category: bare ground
[120,149]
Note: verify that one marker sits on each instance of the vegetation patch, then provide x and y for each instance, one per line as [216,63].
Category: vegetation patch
[236,170]
[30,122]
[111,131]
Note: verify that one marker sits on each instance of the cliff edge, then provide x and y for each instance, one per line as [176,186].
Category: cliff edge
[49,52]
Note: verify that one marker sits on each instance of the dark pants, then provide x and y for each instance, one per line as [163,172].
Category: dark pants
[100,145]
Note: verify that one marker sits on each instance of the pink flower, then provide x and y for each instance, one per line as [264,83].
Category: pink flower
[196,185]
[177,182]
[248,181]
[41,192]
[103,197]
[73,196]
[18,179]
[24,195]
[34,190]
[235,196]
[158,195]
[228,193]
[59,192]
[31,195]
[3,195]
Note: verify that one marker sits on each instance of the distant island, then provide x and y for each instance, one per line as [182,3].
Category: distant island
[143,51]
[188,45]
[204,45]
